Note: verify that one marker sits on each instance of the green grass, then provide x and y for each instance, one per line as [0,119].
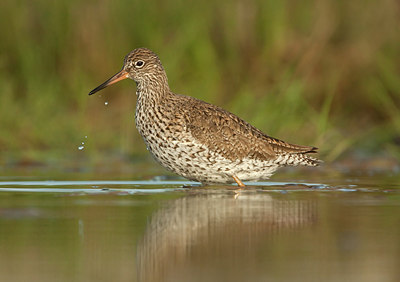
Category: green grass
[322,73]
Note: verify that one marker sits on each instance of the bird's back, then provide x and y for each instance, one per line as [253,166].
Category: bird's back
[233,138]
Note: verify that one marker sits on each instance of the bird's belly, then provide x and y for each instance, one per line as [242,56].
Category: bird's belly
[194,161]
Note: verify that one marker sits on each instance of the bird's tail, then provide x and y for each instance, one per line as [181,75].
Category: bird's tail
[308,161]
[295,159]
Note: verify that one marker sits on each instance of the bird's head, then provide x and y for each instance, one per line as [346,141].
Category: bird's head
[140,65]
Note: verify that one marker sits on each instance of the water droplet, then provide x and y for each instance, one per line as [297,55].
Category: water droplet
[80,148]
[86,136]
[106,103]
[83,143]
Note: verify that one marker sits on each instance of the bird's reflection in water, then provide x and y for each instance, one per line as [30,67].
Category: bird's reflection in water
[215,237]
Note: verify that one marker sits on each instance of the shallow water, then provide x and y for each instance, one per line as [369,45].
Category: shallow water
[324,225]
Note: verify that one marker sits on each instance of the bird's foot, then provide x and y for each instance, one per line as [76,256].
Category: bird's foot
[240,184]
[238,181]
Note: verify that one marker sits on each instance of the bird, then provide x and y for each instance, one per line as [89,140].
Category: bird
[198,140]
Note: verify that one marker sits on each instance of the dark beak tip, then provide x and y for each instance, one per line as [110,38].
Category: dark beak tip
[98,88]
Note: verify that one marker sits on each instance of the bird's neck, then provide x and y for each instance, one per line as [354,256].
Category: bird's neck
[154,89]
[151,94]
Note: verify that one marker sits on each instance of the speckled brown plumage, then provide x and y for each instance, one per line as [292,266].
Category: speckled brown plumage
[196,139]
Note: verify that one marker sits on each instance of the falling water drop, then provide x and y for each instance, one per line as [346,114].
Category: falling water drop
[81,147]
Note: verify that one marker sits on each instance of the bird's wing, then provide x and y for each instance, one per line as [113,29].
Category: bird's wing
[230,136]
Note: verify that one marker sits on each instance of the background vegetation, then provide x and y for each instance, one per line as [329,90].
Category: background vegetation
[323,72]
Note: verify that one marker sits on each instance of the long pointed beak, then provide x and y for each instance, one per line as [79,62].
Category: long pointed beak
[123,74]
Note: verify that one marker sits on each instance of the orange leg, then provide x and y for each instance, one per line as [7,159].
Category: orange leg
[237,180]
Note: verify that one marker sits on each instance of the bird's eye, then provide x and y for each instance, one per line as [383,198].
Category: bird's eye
[139,64]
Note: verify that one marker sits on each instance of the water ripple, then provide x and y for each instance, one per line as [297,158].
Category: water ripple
[159,186]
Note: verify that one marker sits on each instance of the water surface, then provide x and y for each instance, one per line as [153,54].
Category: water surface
[318,226]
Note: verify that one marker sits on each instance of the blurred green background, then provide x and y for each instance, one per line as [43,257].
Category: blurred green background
[323,73]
